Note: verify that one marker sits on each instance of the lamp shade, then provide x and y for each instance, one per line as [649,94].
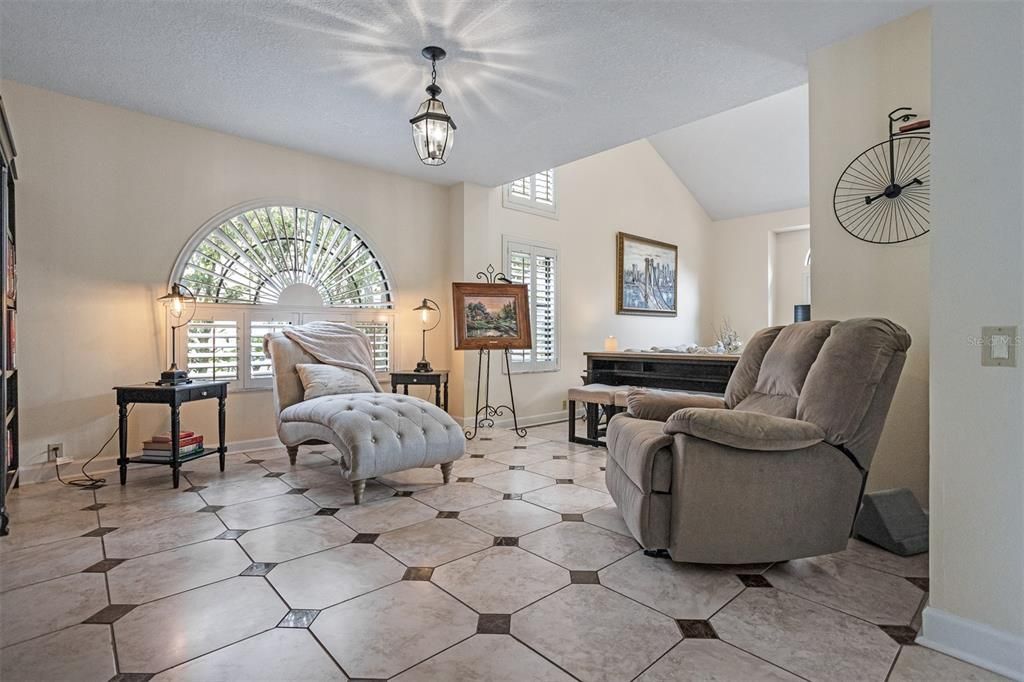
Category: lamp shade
[177,300]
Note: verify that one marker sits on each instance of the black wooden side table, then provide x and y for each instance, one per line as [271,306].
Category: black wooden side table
[174,397]
[438,379]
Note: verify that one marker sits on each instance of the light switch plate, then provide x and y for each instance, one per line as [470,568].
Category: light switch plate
[999,346]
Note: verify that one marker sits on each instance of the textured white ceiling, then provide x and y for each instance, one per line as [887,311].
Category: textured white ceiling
[748,160]
[531,83]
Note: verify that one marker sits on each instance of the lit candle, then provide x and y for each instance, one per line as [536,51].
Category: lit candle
[611,344]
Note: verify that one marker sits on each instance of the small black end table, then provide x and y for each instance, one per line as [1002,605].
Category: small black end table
[174,397]
[437,378]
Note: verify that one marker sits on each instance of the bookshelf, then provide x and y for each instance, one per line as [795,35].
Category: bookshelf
[8,319]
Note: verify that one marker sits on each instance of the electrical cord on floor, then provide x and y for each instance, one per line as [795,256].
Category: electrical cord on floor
[88,480]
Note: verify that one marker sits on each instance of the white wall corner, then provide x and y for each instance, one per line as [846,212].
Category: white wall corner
[974,642]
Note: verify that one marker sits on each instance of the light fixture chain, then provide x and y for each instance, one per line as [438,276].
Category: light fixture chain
[433,71]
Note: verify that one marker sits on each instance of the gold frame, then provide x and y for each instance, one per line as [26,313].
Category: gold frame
[518,291]
[620,309]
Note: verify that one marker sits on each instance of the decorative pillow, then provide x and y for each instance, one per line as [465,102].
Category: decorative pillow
[321,380]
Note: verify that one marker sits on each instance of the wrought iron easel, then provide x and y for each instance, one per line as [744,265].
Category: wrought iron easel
[484,414]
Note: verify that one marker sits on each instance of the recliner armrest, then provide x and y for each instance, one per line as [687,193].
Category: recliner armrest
[744,430]
[660,405]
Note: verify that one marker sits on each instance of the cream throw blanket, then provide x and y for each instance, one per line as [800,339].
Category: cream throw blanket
[334,343]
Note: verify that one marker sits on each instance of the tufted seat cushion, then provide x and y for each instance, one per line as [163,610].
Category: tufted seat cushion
[603,394]
[376,433]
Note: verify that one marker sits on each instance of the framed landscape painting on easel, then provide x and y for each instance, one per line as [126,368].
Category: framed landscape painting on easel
[645,276]
[491,316]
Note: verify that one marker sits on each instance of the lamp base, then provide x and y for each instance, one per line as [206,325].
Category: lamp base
[173,377]
[423,366]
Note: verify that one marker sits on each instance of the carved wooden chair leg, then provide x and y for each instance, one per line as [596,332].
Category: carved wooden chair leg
[446,471]
[293,453]
[357,490]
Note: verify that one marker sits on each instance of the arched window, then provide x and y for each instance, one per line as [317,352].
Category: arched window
[270,266]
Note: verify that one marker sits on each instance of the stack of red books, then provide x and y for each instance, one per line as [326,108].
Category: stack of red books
[189,442]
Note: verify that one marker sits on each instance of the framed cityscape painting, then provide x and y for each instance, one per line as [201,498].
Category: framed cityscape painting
[646,276]
[491,315]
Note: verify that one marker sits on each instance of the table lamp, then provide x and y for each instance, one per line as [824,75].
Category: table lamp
[177,302]
[424,309]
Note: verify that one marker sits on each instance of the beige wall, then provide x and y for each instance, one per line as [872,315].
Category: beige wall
[853,86]
[106,200]
[629,189]
[976,608]
[740,268]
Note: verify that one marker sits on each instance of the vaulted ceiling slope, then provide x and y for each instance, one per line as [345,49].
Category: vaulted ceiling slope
[531,83]
[748,160]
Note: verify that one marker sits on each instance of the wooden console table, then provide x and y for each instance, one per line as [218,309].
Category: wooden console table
[678,371]
[174,397]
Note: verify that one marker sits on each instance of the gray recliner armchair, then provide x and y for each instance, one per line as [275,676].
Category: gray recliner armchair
[773,471]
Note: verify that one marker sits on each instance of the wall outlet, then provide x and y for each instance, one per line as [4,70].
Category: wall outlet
[54,452]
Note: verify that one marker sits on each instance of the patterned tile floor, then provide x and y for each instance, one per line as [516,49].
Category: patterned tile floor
[522,569]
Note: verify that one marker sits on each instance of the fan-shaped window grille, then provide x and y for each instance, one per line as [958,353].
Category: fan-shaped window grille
[259,254]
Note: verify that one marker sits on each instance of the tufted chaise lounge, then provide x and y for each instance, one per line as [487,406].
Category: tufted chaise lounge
[375,433]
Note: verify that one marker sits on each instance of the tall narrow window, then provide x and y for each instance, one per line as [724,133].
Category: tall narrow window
[533,194]
[536,266]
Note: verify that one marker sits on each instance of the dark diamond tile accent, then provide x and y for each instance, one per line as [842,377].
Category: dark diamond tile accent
[327,511]
[518,447]
[274,474]
[416,573]
[901,634]
[258,568]
[584,578]
[572,517]
[195,488]
[486,438]
[476,456]
[696,629]
[516,468]
[560,457]
[494,624]
[366,538]
[602,468]
[255,461]
[299,618]
[103,566]
[317,452]
[512,496]
[463,479]
[296,491]
[211,508]
[920,583]
[403,493]
[132,677]
[752,580]
[230,535]
[506,541]
[109,614]
[447,515]
[98,532]
[564,481]
[366,679]
[94,507]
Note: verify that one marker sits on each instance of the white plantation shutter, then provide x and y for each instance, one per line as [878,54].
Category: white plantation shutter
[536,266]
[533,194]
[379,333]
[260,369]
[212,349]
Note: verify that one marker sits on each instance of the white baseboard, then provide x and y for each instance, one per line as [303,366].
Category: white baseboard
[41,472]
[974,642]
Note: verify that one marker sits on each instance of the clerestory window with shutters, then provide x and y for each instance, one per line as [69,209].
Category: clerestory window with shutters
[533,194]
[536,265]
[257,270]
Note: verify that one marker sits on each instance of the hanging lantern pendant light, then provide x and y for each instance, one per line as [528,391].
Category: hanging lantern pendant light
[433,131]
